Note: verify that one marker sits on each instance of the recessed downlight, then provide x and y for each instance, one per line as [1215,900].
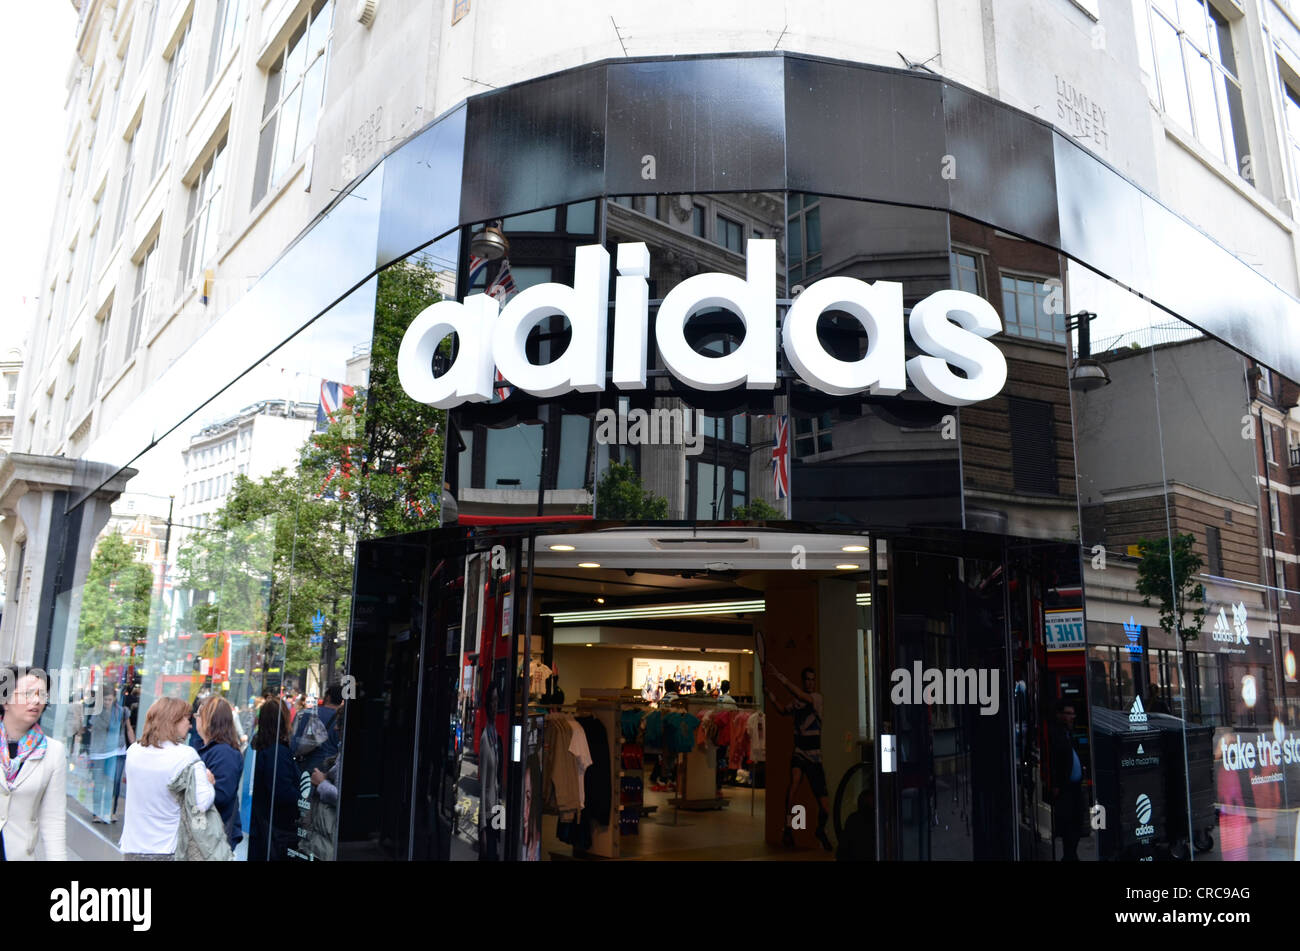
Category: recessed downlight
[846,567]
[588,564]
[853,548]
[561,548]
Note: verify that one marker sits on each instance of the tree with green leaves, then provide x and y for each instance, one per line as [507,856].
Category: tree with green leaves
[758,510]
[621,495]
[384,454]
[279,552]
[116,595]
[1171,582]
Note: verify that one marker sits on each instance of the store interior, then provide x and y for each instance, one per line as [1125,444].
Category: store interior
[688,776]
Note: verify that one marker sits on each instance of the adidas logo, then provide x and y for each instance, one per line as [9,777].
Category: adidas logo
[1235,633]
[1133,631]
[1137,713]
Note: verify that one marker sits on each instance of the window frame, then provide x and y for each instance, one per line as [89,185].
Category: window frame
[204,204]
[140,295]
[1059,336]
[1223,78]
[268,170]
[173,85]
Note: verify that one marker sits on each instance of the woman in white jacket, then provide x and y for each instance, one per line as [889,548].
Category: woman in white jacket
[33,775]
[153,814]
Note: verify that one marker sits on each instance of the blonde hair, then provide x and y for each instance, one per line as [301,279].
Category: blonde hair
[160,721]
[216,722]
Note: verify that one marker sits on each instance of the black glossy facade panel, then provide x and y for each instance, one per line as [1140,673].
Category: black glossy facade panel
[700,125]
[534,145]
[1001,166]
[864,133]
[422,185]
[1101,216]
[1200,282]
[906,495]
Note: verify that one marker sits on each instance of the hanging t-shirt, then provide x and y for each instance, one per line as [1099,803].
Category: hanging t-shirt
[757,730]
[582,757]
[538,674]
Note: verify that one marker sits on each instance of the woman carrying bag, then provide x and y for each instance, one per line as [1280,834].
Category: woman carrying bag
[152,828]
[33,775]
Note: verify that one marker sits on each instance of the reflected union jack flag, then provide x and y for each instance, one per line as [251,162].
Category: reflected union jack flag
[781,457]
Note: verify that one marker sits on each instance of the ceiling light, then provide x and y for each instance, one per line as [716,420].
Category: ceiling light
[847,567]
[644,612]
[854,548]
[600,600]
[588,645]
[561,548]
[588,564]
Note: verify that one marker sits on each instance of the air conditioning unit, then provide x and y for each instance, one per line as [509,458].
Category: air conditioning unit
[366,12]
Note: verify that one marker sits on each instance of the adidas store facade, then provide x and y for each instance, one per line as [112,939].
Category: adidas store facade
[848,397]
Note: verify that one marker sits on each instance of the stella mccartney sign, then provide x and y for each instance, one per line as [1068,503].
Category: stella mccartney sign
[951,328]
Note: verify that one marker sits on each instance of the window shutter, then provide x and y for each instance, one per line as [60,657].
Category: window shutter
[1033,446]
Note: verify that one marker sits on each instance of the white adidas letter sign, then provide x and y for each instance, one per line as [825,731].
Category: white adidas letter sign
[951,327]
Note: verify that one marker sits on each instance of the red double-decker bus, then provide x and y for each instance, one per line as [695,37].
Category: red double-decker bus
[238,665]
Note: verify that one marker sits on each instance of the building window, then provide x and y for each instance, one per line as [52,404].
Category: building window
[698,222]
[89,261]
[812,434]
[1265,381]
[101,349]
[966,272]
[200,239]
[171,87]
[139,300]
[295,87]
[730,234]
[230,13]
[1197,72]
[1033,446]
[1214,549]
[1276,511]
[719,489]
[803,236]
[69,400]
[1269,455]
[124,191]
[1279,570]
[1026,311]
[11,391]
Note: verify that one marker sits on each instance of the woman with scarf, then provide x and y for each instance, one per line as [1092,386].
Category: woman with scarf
[33,775]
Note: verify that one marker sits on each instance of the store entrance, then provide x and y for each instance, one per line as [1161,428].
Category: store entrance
[722,682]
[530,693]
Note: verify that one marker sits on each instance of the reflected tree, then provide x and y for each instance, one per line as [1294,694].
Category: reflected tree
[116,594]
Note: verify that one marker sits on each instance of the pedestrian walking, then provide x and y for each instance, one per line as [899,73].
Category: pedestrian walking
[33,775]
[110,735]
[153,812]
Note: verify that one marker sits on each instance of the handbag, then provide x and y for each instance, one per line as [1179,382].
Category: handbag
[201,835]
[313,735]
[317,826]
